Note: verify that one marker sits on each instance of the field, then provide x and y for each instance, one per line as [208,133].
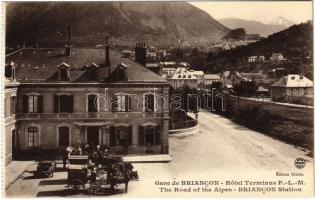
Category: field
[289,124]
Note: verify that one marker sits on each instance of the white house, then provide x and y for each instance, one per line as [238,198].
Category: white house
[183,76]
[293,88]
[277,57]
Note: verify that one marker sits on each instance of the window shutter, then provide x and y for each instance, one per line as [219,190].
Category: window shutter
[128,102]
[40,104]
[112,136]
[141,136]
[25,104]
[157,135]
[71,103]
[129,135]
[114,104]
[56,103]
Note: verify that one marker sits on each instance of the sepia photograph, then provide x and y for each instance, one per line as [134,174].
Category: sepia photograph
[157,99]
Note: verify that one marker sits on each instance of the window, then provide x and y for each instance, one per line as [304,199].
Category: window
[292,77]
[33,137]
[92,103]
[12,105]
[10,72]
[121,135]
[121,103]
[32,104]
[63,103]
[63,136]
[121,74]
[63,74]
[149,135]
[149,103]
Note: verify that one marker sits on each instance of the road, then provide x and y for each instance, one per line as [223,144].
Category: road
[221,150]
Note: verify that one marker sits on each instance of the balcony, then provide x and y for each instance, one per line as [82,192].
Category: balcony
[94,115]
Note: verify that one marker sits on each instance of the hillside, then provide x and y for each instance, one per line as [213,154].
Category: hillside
[295,43]
[158,23]
[253,27]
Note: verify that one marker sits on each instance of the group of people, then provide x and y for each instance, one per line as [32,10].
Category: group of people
[96,155]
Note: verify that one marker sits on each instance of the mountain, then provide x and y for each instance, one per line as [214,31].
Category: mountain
[253,27]
[158,23]
[236,34]
[295,43]
[281,21]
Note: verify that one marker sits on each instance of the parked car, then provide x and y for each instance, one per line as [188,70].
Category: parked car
[46,168]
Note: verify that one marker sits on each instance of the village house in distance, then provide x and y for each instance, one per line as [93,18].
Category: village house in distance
[52,93]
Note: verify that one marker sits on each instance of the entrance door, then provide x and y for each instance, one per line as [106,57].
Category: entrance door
[92,136]
[63,136]
[13,144]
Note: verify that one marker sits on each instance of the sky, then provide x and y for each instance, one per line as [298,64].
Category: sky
[265,12]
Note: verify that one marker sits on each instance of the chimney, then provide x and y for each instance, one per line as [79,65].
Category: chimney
[107,61]
[141,54]
[68,49]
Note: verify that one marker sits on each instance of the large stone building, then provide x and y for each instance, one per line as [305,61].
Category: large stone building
[10,98]
[74,96]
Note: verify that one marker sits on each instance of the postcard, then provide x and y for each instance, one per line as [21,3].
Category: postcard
[158,99]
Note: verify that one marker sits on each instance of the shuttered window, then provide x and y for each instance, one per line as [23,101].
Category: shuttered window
[63,103]
[32,104]
[92,103]
[33,137]
[121,103]
[121,135]
[149,103]
[149,135]
[12,105]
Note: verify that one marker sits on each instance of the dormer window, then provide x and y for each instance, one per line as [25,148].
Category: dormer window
[10,71]
[64,72]
[121,72]
[92,71]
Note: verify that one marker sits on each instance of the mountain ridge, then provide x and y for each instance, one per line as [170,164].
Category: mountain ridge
[252,26]
[126,22]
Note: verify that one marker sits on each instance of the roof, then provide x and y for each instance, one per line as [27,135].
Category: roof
[183,73]
[197,73]
[228,73]
[293,80]
[211,76]
[152,65]
[40,64]
[262,89]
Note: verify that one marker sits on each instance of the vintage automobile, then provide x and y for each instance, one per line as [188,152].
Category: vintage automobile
[46,168]
[77,177]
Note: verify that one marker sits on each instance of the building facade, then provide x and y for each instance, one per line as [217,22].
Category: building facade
[88,96]
[185,77]
[210,78]
[293,88]
[10,102]
[230,78]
